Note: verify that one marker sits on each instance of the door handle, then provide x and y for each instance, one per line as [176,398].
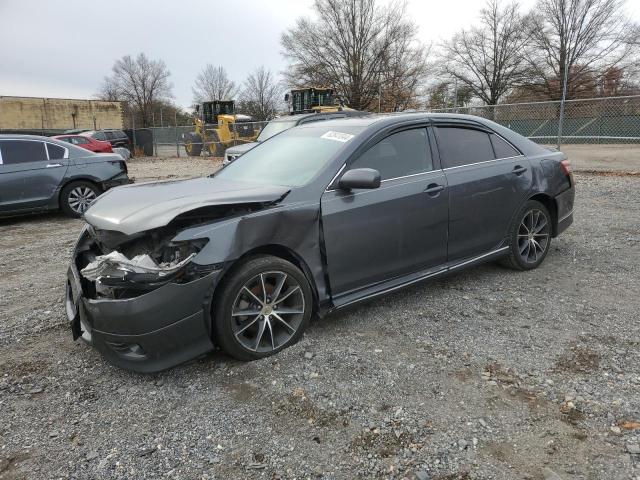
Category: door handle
[53,165]
[519,170]
[433,189]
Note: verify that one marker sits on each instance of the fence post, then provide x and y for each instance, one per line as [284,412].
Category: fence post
[133,127]
[564,98]
[175,122]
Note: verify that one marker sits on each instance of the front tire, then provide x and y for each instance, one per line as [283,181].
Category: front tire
[264,306]
[529,237]
[76,197]
[193,144]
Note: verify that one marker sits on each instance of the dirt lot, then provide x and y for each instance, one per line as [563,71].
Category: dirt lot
[486,374]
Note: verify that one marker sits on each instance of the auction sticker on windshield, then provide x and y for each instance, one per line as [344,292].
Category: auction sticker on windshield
[337,136]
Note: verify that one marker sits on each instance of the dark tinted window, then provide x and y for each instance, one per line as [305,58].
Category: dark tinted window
[403,153]
[56,152]
[502,148]
[21,151]
[110,135]
[99,136]
[462,146]
[121,134]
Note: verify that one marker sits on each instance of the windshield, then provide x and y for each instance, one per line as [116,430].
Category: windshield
[292,158]
[273,128]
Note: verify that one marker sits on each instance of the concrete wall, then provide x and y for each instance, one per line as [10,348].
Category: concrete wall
[58,113]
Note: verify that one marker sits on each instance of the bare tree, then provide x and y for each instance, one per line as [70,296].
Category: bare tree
[588,38]
[403,71]
[352,48]
[261,95]
[443,95]
[109,91]
[212,83]
[141,82]
[488,59]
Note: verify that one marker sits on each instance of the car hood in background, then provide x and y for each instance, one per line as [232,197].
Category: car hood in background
[240,149]
[135,208]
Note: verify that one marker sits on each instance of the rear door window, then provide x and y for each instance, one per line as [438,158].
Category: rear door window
[463,146]
[56,152]
[99,136]
[400,154]
[502,148]
[22,151]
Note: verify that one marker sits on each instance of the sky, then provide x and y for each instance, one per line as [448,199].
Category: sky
[64,48]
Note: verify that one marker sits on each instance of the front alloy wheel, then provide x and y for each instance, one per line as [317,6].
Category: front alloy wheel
[267,311]
[262,308]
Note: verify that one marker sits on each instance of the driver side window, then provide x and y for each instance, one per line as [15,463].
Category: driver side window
[398,155]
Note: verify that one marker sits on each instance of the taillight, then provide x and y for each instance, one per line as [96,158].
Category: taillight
[121,163]
[566,166]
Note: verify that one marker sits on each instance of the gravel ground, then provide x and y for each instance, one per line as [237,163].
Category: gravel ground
[487,374]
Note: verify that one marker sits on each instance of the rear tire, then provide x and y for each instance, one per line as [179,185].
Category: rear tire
[277,300]
[193,144]
[529,237]
[76,197]
[216,147]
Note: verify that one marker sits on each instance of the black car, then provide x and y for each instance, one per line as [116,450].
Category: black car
[41,173]
[117,138]
[317,218]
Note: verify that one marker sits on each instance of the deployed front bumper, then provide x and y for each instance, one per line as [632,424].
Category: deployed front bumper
[148,333]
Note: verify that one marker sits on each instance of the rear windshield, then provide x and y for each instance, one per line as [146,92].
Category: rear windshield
[292,158]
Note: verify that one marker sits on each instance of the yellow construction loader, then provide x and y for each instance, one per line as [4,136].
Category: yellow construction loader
[313,100]
[218,127]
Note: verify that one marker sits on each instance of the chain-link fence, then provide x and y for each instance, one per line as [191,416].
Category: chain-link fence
[595,120]
[212,140]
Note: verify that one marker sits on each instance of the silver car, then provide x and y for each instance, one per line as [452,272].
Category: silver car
[281,124]
[41,173]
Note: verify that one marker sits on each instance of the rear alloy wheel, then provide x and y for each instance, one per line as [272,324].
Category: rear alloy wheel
[530,237]
[263,308]
[76,197]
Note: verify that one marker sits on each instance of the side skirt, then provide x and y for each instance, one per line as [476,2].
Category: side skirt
[397,283]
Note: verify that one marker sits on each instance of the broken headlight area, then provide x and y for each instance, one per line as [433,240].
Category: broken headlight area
[116,266]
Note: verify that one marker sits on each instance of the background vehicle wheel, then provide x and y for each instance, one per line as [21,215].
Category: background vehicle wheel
[263,307]
[193,144]
[215,146]
[76,197]
[529,237]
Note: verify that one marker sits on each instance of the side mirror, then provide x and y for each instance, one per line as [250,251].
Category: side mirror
[359,178]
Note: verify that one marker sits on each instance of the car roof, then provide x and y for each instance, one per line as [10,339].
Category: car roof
[399,117]
[303,116]
[8,136]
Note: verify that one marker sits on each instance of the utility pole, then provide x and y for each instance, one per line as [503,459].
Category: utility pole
[455,95]
[564,97]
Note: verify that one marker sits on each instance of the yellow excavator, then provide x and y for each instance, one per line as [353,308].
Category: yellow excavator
[218,127]
[313,100]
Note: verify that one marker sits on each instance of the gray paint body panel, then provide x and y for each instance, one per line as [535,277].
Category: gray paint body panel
[351,245]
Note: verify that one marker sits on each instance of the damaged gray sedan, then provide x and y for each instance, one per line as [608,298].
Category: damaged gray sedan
[313,220]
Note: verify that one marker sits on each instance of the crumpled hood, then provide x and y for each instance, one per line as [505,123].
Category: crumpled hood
[138,207]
